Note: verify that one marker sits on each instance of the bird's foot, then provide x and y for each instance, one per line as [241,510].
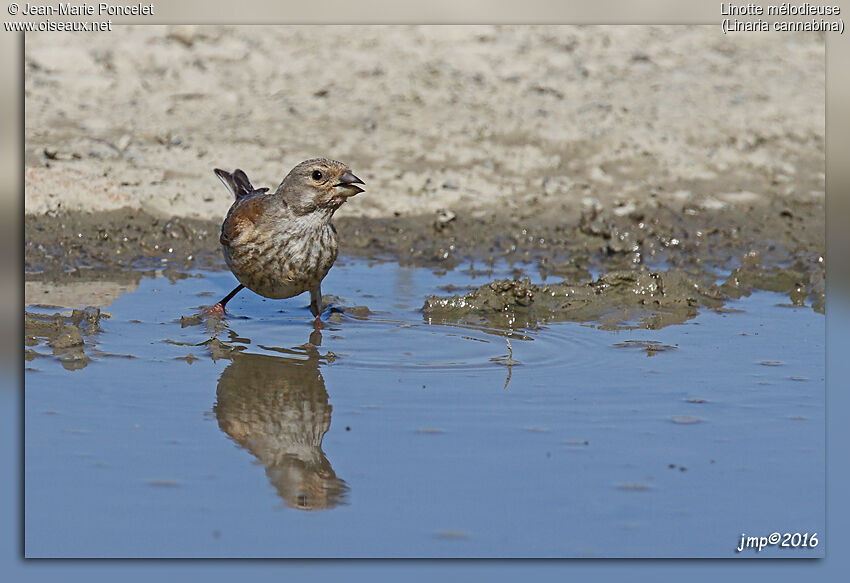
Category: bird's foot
[317,323]
[216,311]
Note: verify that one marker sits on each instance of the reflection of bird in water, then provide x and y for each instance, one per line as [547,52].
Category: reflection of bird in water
[277,408]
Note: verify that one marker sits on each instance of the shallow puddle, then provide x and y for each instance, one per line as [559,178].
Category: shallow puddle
[384,435]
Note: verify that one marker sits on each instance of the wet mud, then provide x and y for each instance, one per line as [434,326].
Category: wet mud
[654,265]
[67,337]
[615,300]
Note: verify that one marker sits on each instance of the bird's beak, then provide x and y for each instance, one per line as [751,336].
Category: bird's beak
[347,185]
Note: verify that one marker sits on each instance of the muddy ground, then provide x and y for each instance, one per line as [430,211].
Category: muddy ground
[635,174]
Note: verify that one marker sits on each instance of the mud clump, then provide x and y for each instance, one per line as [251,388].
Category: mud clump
[616,300]
[625,299]
[63,334]
[803,280]
[69,337]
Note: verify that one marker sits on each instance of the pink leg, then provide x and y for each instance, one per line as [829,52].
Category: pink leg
[218,309]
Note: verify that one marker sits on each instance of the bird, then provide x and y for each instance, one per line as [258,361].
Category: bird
[278,409]
[280,244]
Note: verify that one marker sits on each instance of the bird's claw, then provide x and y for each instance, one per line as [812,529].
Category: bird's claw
[215,311]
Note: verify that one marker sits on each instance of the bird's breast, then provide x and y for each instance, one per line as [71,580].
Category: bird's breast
[281,259]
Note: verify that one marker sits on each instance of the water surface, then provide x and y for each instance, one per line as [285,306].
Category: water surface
[386,436]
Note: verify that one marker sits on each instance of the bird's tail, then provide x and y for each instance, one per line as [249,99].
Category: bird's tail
[237,183]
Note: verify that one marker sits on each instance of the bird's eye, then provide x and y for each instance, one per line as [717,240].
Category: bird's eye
[317,175]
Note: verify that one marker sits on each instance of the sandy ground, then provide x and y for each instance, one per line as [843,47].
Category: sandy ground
[572,147]
[432,117]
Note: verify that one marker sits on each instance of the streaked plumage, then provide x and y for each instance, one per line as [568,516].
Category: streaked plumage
[283,243]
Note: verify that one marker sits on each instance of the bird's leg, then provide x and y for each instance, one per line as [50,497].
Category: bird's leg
[316,304]
[219,307]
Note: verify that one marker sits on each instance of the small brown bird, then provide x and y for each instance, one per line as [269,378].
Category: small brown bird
[282,244]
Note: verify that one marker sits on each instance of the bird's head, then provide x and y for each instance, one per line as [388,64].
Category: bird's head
[318,184]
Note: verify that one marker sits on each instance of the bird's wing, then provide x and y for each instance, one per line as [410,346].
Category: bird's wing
[243,215]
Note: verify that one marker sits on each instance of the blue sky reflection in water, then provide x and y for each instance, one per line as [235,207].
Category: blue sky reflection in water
[390,437]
